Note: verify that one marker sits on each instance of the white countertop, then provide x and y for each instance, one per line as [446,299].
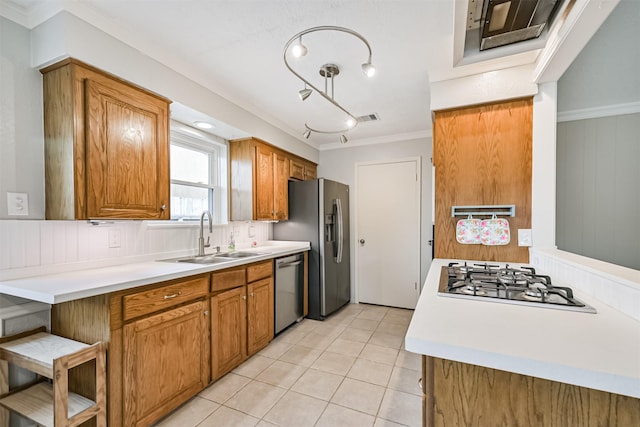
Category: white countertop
[62,287]
[599,351]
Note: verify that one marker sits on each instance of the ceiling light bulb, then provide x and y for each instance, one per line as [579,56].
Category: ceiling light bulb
[343,139]
[350,122]
[299,49]
[203,125]
[307,134]
[369,69]
[304,94]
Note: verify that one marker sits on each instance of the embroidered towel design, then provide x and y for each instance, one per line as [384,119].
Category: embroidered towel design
[468,231]
[494,231]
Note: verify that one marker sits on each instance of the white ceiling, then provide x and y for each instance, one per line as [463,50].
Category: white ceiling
[235,48]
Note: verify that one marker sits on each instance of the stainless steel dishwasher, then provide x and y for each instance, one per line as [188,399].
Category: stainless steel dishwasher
[288,290]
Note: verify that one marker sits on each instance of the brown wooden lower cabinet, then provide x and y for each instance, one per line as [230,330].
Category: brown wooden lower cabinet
[460,394]
[242,319]
[260,321]
[228,330]
[165,362]
[167,341]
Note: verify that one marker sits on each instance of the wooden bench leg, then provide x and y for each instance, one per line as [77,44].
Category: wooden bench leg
[4,389]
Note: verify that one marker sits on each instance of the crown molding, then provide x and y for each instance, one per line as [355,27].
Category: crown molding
[597,112]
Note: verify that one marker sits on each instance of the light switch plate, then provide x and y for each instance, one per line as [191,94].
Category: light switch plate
[17,203]
[524,237]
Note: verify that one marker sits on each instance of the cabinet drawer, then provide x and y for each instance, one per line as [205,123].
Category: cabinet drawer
[160,298]
[259,271]
[228,279]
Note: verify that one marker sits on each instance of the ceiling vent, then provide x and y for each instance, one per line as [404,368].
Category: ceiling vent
[505,22]
[368,118]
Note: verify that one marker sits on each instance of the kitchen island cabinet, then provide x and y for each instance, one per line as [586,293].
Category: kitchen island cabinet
[106,146]
[491,363]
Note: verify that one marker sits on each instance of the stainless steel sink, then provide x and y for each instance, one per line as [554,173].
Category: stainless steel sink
[239,254]
[215,258]
[207,259]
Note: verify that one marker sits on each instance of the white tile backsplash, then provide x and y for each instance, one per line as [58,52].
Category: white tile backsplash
[28,247]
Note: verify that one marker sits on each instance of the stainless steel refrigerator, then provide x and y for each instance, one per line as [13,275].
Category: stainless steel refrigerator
[319,213]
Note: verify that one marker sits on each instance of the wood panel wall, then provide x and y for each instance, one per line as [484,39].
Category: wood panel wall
[482,155]
[470,395]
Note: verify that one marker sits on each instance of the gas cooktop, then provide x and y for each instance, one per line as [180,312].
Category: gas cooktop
[503,283]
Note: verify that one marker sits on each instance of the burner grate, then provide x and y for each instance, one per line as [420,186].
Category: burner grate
[521,285]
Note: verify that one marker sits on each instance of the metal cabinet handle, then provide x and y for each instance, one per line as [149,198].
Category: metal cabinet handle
[163,207]
[171,296]
[244,297]
[420,383]
[289,264]
[362,241]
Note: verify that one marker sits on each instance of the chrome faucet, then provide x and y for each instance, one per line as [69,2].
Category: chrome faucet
[201,244]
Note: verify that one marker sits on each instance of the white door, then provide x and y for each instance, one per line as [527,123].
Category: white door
[388,232]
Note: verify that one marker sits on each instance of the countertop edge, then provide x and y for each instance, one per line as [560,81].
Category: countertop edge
[475,346]
[31,288]
[530,367]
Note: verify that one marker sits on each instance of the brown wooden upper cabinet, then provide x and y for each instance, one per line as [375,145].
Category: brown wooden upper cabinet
[259,179]
[300,170]
[106,146]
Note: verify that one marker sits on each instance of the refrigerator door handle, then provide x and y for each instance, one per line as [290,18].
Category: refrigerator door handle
[339,236]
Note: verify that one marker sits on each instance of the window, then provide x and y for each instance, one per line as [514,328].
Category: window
[198,174]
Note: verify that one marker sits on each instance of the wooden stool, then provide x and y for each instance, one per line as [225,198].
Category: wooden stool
[51,356]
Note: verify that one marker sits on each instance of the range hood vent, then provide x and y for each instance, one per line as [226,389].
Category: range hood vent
[510,21]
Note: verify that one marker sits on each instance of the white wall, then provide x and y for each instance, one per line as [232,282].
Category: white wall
[21,126]
[340,165]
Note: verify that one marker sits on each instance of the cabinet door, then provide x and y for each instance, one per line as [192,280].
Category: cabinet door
[259,314]
[310,172]
[296,170]
[263,189]
[127,152]
[280,187]
[228,331]
[165,362]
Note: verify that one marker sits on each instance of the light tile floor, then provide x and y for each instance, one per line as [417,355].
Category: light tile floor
[348,370]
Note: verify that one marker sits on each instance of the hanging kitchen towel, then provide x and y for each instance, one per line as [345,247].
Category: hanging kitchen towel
[494,231]
[468,231]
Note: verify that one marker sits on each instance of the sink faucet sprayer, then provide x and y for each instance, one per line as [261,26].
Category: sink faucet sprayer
[201,244]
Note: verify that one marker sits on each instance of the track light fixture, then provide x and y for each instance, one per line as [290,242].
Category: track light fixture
[328,71]
[298,50]
[304,93]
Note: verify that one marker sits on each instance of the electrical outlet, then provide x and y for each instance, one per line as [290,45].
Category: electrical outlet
[524,237]
[114,238]
[17,203]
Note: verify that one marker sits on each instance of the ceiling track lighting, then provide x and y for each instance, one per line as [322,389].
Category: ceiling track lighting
[328,71]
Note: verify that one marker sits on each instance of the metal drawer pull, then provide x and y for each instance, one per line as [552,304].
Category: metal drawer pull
[171,296]
[420,383]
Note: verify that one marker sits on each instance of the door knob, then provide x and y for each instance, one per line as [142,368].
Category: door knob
[362,241]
